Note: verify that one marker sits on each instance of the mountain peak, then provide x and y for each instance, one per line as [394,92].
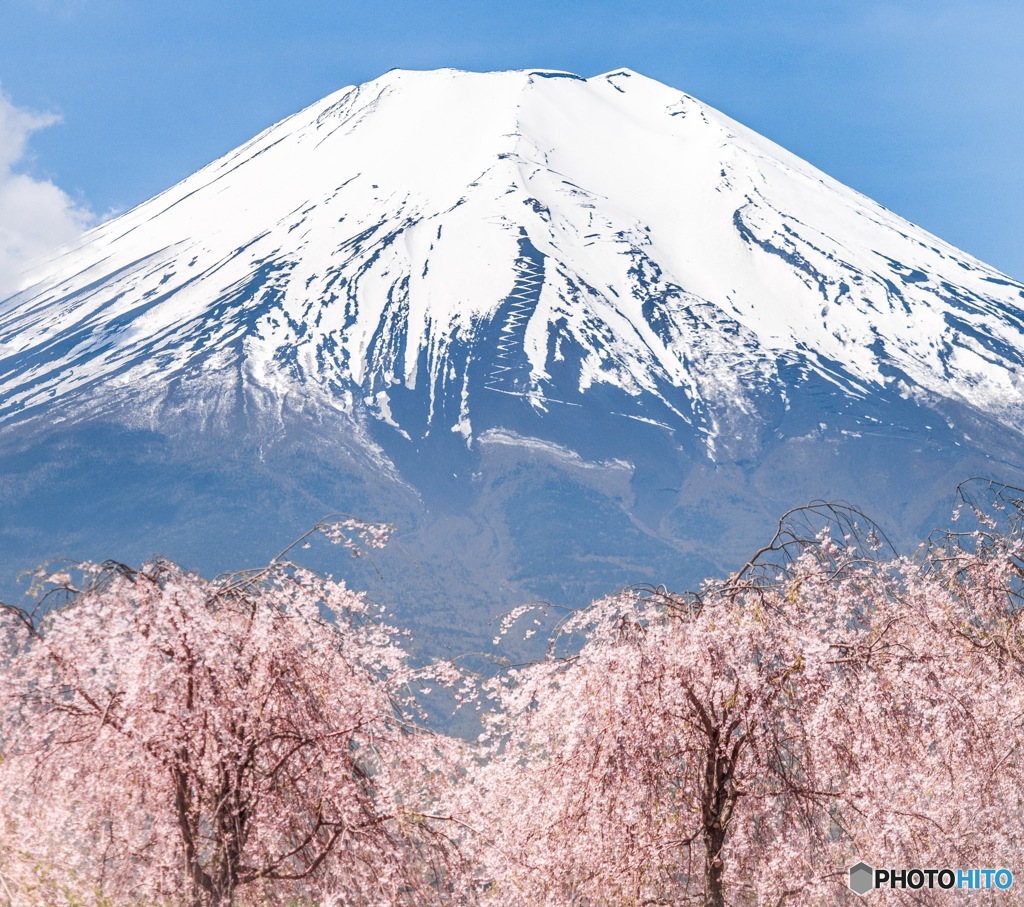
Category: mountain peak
[571,333]
[575,236]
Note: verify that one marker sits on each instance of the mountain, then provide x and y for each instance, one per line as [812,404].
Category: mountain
[565,333]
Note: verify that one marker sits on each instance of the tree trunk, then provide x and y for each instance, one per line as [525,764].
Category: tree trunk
[717,810]
[714,868]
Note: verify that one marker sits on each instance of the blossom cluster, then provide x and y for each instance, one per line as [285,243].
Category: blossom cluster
[256,740]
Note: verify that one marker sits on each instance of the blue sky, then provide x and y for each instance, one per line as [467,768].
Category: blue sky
[917,104]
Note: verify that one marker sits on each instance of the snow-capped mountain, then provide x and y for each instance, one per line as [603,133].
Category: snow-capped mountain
[647,319]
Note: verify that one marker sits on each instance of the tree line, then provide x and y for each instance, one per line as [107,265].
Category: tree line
[260,739]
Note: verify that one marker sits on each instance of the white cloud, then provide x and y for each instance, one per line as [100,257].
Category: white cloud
[36,216]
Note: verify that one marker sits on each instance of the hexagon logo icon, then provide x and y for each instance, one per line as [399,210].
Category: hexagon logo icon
[862,878]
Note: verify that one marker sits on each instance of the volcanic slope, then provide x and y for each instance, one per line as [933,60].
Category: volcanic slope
[566,333]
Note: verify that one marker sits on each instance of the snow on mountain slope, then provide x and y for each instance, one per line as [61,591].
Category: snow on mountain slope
[533,234]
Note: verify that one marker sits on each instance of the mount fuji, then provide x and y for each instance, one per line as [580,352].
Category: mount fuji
[567,334]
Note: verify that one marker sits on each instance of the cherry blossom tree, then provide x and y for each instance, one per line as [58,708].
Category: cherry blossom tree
[169,740]
[748,744]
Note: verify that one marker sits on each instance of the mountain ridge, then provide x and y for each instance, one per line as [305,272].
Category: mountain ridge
[373,343]
[495,300]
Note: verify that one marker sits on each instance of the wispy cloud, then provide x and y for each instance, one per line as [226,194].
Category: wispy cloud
[36,216]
